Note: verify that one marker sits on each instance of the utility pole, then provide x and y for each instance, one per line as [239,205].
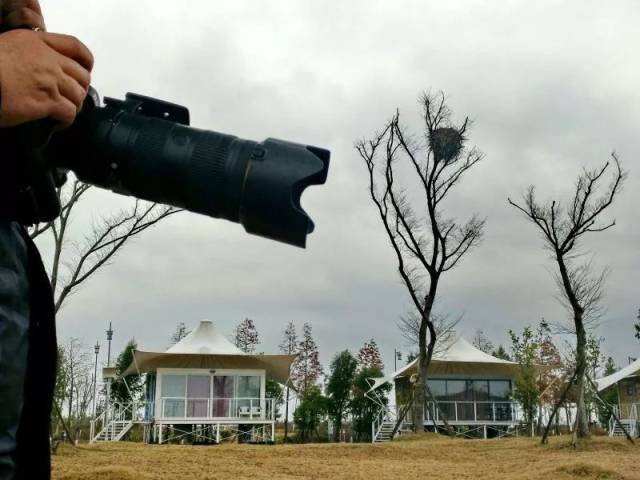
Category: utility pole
[108,399]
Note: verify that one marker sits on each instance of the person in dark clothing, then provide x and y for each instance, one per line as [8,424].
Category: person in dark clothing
[42,76]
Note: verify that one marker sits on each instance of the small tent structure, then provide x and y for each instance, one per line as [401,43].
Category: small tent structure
[201,385]
[472,388]
[626,382]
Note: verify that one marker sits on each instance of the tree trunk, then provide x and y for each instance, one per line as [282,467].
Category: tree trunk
[424,358]
[540,426]
[581,428]
[336,428]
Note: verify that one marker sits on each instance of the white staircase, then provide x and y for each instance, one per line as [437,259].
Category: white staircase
[383,425]
[630,425]
[385,431]
[112,425]
[114,431]
[629,420]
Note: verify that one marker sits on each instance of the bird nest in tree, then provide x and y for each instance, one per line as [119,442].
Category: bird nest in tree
[446,143]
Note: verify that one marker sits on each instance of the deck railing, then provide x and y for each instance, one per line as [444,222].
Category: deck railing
[628,411]
[470,411]
[236,408]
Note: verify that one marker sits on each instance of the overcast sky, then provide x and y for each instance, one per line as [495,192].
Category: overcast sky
[551,87]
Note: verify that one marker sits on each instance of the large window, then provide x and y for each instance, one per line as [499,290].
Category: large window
[173,393]
[201,396]
[464,399]
[499,390]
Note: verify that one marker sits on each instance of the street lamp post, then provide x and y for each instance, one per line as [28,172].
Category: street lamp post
[397,356]
[96,349]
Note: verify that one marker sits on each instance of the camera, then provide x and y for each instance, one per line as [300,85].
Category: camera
[144,147]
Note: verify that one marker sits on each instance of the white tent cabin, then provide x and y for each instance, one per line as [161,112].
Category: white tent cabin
[472,388]
[199,387]
[626,382]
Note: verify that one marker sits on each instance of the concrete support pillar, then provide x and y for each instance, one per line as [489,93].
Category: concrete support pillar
[484,431]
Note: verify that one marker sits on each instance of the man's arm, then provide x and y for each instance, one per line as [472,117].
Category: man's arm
[42,75]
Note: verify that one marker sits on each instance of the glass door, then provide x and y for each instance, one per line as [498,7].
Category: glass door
[222,396]
[248,392]
[198,388]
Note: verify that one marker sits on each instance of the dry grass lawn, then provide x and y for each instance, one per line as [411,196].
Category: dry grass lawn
[422,457]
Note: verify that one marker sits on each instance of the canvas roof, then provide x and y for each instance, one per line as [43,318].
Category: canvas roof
[460,357]
[205,338]
[628,371]
[206,348]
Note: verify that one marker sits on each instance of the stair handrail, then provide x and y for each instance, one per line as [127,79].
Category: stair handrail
[612,426]
[384,414]
[94,422]
[110,416]
[376,425]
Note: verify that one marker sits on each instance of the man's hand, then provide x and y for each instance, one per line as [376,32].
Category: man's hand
[20,14]
[42,75]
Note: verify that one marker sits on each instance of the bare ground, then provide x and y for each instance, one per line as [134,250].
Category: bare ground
[423,457]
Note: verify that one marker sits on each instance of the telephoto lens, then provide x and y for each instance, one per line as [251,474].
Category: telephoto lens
[144,147]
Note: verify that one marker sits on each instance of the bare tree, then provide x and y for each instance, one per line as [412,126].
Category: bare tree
[482,342]
[427,243]
[563,227]
[74,261]
[180,332]
[76,376]
[445,327]
[289,346]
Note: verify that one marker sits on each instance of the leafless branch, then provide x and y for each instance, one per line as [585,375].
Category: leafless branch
[563,226]
[75,260]
[426,243]
[588,287]
[105,240]
[445,327]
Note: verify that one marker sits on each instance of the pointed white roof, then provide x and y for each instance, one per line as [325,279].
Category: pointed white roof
[458,357]
[628,371]
[205,339]
[462,351]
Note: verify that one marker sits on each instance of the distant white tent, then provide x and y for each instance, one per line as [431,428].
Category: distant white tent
[631,370]
[206,348]
[205,339]
[460,357]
